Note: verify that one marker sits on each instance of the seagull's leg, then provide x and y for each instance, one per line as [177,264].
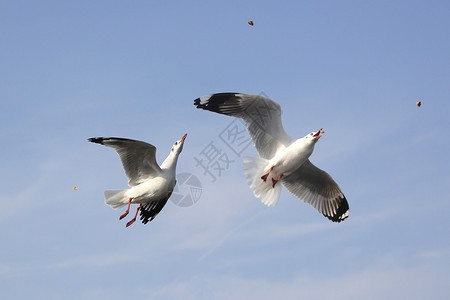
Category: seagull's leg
[127,211]
[134,219]
[275,181]
[264,177]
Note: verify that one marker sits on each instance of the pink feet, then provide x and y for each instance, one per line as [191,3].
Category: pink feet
[275,181]
[264,177]
[127,211]
[134,219]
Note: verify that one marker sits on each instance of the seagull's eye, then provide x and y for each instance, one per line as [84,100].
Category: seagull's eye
[176,143]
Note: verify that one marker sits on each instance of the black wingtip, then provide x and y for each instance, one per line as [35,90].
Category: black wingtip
[150,210]
[98,140]
[342,212]
[213,101]
[197,103]
[222,103]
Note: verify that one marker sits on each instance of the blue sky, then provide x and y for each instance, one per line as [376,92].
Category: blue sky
[71,70]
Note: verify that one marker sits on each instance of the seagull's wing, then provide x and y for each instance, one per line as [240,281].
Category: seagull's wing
[316,187]
[138,158]
[149,210]
[261,115]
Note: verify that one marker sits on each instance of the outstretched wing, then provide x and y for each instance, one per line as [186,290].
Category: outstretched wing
[138,158]
[316,187]
[261,115]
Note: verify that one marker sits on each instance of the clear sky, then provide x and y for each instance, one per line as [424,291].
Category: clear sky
[71,70]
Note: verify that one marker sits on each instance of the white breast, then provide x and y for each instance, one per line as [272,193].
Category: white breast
[291,158]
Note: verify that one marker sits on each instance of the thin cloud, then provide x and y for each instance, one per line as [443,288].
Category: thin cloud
[420,282]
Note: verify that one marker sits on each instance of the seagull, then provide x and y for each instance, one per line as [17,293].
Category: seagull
[281,158]
[151,185]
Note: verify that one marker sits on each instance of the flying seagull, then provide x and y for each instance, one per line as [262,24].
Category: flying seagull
[282,158]
[151,185]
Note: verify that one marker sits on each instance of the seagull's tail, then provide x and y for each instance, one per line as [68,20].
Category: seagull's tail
[254,168]
[116,198]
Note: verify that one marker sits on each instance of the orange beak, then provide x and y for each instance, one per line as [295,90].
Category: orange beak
[183,138]
[317,134]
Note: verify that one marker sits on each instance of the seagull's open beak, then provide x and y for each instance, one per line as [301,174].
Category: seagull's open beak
[317,134]
[183,138]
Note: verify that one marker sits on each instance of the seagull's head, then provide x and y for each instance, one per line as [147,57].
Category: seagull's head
[178,145]
[313,137]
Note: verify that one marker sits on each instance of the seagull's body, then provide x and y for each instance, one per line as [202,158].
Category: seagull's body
[281,157]
[151,185]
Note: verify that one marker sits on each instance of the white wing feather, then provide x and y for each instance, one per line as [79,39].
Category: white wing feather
[261,115]
[138,158]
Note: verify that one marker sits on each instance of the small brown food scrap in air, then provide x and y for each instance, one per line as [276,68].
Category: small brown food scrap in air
[419,103]
[75,188]
[250,23]
[321,131]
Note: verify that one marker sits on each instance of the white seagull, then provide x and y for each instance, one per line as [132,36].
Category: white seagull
[151,185]
[281,157]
